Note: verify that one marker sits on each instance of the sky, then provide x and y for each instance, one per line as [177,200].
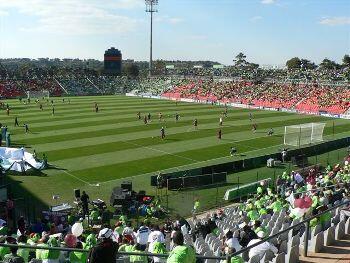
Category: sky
[269,32]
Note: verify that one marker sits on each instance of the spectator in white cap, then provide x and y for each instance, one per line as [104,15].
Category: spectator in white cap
[106,250]
[262,248]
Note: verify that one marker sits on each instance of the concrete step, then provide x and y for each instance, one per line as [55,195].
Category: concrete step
[338,252]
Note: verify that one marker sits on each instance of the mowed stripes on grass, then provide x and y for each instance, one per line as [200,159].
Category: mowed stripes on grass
[111,144]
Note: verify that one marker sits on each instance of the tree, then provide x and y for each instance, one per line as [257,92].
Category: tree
[346,61]
[293,63]
[131,70]
[158,67]
[307,64]
[240,60]
[252,66]
[329,64]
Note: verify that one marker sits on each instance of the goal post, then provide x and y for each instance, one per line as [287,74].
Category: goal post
[303,134]
[38,94]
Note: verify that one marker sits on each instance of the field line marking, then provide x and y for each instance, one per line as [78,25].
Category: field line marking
[177,167]
[153,149]
[81,180]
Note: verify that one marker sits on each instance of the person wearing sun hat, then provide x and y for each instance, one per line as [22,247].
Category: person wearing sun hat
[262,248]
[106,250]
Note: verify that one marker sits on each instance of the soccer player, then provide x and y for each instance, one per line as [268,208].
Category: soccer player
[145,120]
[149,117]
[254,127]
[96,108]
[220,121]
[53,110]
[8,111]
[162,133]
[16,122]
[219,134]
[270,132]
[41,107]
[250,116]
[160,116]
[139,115]
[233,151]
[26,128]
[176,116]
[195,124]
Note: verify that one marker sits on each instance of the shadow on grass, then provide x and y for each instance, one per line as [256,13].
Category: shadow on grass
[53,167]
[31,172]
[28,205]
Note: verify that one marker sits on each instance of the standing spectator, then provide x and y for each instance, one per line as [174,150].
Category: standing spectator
[142,236]
[106,250]
[85,203]
[180,252]
[155,236]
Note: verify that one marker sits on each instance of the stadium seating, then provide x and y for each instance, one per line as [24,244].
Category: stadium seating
[310,98]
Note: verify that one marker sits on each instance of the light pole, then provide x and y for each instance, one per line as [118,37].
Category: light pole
[151,7]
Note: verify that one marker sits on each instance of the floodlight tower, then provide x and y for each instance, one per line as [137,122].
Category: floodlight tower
[151,7]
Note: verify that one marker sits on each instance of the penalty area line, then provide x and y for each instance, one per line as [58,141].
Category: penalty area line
[185,165]
[77,178]
[161,151]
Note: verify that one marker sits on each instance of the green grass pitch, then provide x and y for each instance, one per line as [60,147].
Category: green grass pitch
[97,151]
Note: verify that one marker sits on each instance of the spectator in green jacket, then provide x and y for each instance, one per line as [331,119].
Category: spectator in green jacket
[78,257]
[23,252]
[13,257]
[138,258]
[180,252]
[3,250]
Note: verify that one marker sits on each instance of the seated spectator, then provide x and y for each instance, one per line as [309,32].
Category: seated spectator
[262,248]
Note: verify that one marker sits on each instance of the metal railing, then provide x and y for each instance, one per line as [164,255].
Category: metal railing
[307,231]
[227,257]
[119,253]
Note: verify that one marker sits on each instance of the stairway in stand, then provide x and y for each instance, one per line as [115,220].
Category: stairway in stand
[338,252]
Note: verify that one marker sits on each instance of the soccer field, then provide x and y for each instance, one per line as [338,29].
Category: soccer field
[97,151]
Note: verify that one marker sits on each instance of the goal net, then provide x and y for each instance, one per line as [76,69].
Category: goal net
[38,94]
[297,135]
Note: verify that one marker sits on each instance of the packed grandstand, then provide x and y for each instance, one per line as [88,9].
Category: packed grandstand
[209,236]
[222,232]
[309,91]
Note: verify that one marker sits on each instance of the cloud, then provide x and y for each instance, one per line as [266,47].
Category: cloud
[336,21]
[267,2]
[77,17]
[255,18]
[169,19]
[3,13]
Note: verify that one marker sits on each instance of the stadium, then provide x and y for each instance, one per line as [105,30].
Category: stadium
[111,159]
